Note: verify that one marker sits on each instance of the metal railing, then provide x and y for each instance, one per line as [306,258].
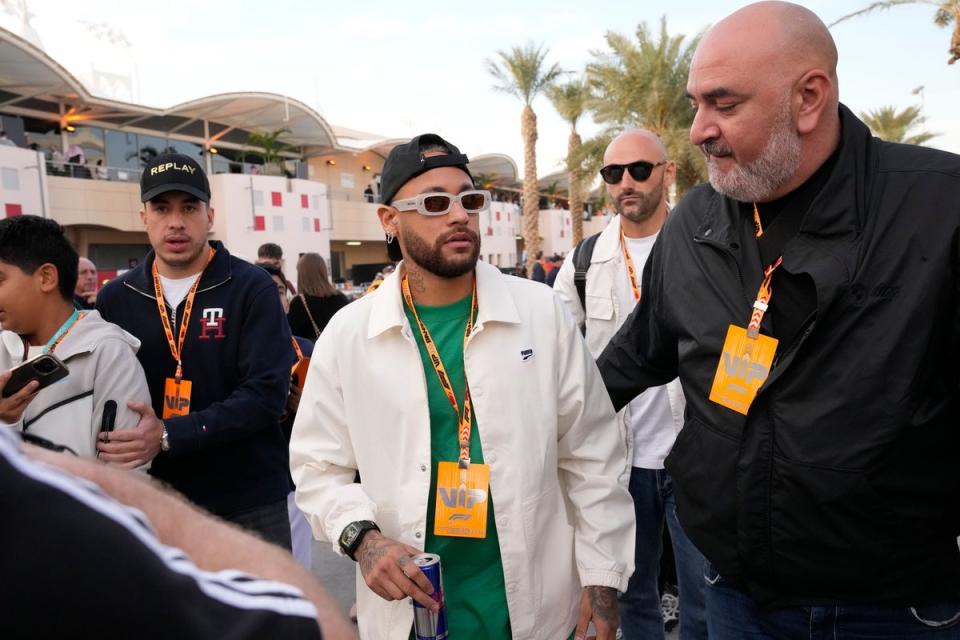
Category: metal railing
[86,171]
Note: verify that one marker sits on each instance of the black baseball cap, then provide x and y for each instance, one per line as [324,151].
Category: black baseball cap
[174,172]
[407,161]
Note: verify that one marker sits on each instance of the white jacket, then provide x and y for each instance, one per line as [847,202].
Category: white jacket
[102,359]
[604,317]
[548,430]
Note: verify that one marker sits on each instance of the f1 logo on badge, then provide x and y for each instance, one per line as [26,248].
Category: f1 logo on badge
[212,325]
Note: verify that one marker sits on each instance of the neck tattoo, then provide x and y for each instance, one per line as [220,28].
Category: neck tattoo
[416,280]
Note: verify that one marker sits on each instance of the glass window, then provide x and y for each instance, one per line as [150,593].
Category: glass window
[257,198]
[121,148]
[278,223]
[90,142]
[186,148]
[41,133]
[221,164]
[306,228]
[150,147]
[10,179]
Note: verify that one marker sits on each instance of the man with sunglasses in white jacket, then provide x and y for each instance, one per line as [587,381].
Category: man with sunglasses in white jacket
[476,418]
[638,175]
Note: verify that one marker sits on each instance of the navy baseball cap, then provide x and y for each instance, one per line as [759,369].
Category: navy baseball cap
[407,161]
[174,172]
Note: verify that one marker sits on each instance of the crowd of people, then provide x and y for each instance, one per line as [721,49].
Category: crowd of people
[766,369]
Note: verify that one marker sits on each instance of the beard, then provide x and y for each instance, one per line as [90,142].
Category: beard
[431,258]
[644,207]
[756,181]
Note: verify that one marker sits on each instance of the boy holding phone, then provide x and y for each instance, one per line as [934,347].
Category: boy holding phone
[44,335]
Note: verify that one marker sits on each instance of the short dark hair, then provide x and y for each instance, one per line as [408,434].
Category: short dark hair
[270,250]
[28,242]
[273,271]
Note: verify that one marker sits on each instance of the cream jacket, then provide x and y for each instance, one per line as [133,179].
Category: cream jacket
[549,434]
[603,315]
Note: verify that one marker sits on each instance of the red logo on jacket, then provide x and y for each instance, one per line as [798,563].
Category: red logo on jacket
[212,324]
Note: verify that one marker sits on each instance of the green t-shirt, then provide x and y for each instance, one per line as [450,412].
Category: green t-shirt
[472,570]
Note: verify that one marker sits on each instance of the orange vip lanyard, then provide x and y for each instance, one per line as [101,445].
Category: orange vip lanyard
[299,352]
[631,271]
[464,418]
[176,348]
[762,302]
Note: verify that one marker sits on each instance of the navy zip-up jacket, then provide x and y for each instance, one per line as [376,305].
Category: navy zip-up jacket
[228,454]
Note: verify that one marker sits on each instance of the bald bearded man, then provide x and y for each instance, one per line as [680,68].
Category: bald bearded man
[808,300]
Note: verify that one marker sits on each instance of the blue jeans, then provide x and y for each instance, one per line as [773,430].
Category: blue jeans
[733,615]
[270,522]
[640,615]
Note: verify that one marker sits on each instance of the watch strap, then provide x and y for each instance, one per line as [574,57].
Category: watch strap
[349,547]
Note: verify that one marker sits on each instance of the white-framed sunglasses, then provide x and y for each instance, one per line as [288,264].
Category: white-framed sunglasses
[440,203]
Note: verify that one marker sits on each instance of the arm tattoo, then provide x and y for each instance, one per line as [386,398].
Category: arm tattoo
[603,601]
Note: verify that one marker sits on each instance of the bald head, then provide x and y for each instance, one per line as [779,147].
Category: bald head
[634,141]
[638,176]
[780,40]
[764,84]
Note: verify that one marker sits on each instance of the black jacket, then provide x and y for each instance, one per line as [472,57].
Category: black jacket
[320,308]
[228,454]
[841,483]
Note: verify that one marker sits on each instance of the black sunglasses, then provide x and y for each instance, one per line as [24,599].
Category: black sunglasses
[639,171]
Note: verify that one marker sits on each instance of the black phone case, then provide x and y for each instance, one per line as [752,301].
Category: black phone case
[26,372]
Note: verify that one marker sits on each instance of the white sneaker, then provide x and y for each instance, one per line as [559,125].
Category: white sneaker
[670,608]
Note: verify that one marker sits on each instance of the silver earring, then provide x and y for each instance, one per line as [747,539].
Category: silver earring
[390,237]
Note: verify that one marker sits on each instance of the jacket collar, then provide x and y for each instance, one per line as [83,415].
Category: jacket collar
[608,244]
[218,271]
[835,212]
[84,337]
[494,302]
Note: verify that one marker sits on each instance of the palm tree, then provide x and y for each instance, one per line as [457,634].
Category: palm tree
[272,147]
[570,101]
[893,126]
[947,13]
[523,73]
[642,82]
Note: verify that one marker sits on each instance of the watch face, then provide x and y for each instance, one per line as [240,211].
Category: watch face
[350,533]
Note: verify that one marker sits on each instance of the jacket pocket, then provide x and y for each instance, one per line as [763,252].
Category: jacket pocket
[829,530]
[702,465]
[599,307]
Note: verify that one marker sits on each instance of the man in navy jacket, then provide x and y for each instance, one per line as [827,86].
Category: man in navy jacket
[217,358]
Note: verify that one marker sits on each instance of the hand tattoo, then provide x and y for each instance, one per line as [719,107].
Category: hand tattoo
[371,551]
[603,601]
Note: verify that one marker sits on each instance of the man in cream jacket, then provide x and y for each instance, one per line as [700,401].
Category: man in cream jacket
[638,175]
[387,396]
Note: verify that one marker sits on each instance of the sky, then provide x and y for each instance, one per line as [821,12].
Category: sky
[402,68]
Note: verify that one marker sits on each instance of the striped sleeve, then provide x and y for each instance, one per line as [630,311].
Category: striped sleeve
[97,564]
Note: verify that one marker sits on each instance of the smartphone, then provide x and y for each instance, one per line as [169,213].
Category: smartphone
[109,416]
[45,368]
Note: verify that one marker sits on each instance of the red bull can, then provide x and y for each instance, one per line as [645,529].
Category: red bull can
[428,625]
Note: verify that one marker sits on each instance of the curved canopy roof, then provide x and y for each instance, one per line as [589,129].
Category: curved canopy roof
[34,83]
[498,167]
